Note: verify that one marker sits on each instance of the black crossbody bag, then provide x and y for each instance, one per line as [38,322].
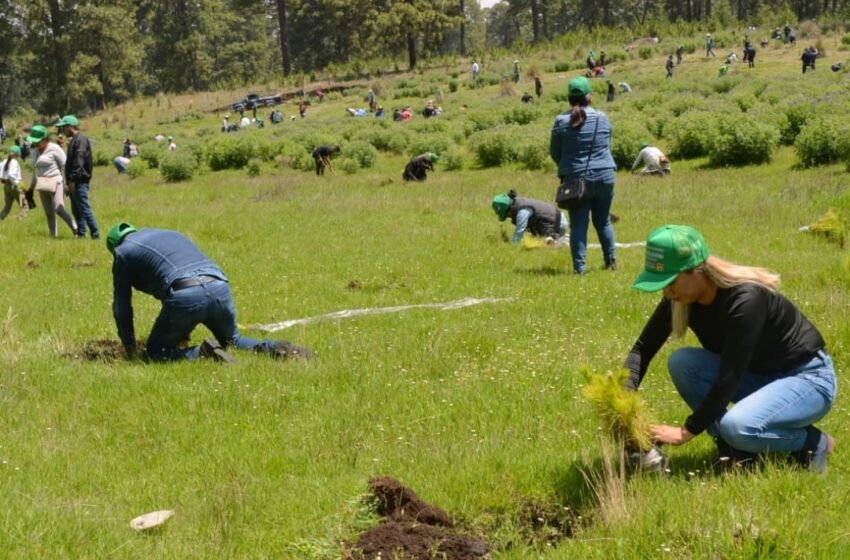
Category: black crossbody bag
[571,192]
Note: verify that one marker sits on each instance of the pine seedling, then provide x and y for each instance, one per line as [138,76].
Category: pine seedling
[830,226]
[621,411]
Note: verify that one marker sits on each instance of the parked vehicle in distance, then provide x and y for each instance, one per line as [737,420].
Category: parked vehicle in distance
[253,100]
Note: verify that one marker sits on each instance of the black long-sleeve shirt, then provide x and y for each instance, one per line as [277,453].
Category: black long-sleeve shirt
[752,328]
[78,166]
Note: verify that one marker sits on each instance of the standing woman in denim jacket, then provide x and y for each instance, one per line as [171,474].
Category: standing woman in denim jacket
[571,145]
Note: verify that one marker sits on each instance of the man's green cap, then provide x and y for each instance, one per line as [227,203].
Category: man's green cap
[117,234]
[501,205]
[670,250]
[434,157]
[68,120]
[578,86]
[37,134]
[14,150]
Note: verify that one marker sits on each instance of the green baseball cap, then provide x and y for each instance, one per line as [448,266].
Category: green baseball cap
[117,234]
[68,120]
[579,86]
[643,145]
[670,250]
[37,134]
[14,150]
[501,205]
[434,157]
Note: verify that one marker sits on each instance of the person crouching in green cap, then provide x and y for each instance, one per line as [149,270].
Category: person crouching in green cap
[758,351]
[539,218]
[10,176]
[580,145]
[418,167]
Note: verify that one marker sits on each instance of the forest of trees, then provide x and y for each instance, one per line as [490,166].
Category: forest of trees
[65,55]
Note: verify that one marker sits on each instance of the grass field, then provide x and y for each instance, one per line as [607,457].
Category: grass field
[477,409]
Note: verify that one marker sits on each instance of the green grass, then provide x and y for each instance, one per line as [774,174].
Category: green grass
[478,409]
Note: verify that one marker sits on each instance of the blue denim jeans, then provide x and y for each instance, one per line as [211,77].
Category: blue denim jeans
[770,413]
[82,211]
[209,304]
[596,206]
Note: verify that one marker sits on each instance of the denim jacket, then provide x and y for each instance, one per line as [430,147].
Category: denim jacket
[151,260]
[569,147]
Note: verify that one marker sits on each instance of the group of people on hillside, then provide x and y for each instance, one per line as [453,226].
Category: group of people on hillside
[758,350]
[56,174]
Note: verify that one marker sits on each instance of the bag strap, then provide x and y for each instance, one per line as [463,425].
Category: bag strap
[592,142]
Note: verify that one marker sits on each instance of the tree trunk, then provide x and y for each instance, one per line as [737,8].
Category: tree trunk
[283,24]
[57,95]
[535,23]
[411,51]
[462,29]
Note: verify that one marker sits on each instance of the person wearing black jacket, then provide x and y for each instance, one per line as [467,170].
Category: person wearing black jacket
[418,167]
[78,174]
[758,352]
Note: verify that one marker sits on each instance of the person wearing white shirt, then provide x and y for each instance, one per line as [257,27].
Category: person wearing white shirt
[10,176]
[654,159]
[475,69]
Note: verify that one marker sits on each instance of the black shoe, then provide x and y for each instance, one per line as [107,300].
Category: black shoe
[730,459]
[210,348]
[283,350]
[611,265]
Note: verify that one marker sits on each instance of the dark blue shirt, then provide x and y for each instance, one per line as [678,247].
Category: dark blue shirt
[569,147]
[151,260]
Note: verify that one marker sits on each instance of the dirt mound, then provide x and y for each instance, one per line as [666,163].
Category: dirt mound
[413,529]
[104,350]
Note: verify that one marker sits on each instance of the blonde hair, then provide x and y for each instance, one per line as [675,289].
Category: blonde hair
[724,274]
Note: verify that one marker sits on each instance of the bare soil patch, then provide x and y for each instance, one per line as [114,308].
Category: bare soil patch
[413,529]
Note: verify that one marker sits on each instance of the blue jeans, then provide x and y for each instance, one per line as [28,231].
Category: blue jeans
[770,413]
[209,304]
[82,211]
[596,206]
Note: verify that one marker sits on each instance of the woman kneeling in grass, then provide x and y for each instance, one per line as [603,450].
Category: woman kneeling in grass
[759,352]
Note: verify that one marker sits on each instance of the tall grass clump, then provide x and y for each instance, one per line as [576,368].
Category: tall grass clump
[621,410]
[742,140]
[830,226]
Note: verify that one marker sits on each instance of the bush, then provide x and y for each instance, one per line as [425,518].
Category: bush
[795,117]
[137,168]
[724,85]
[150,154]
[745,102]
[625,143]
[231,151]
[254,167]
[348,165]
[495,147]
[845,39]
[524,114]
[742,140]
[821,141]
[479,120]
[362,152]
[645,52]
[563,66]
[422,143]
[692,136]
[453,86]
[452,160]
[176,166]
[533,154]
[100,158]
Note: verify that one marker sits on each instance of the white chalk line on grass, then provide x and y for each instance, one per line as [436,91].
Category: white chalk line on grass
[344,314]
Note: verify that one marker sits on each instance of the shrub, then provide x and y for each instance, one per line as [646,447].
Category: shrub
[795,117]
[348,165]
[494,147]
[479,120]
[565,66]
[428,143]
[821,141]
[452,160]
[645,52]
[100,158]
[137,169]
[724,85]
[692,135]
[176,166]
[524,114]
[625,143]
[534,154]
[362,152]
[745,102]
[845,39]
[742,140]
[453,86]
[253,167]
[231,151]
[150,154]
